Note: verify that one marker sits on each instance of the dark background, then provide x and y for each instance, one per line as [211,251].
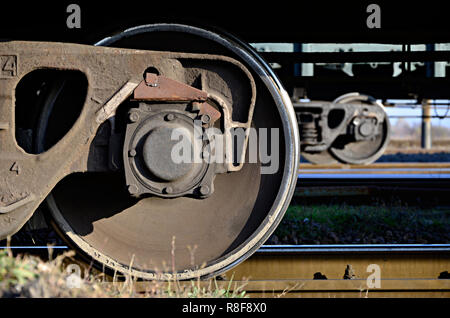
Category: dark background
[276,21]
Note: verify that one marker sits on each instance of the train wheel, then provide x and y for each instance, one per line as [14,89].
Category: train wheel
[362,152]
[182,238]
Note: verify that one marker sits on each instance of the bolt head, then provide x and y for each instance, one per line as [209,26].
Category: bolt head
[168,190]
[132,153]
[133,189]
[206,118]
[170,117]
[134,117]
[366,129]
[204,190]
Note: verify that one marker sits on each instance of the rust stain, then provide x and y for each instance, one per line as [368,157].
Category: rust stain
[160,88]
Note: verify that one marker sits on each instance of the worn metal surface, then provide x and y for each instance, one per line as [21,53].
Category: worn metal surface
[112,74]
[160,88]
[209,115]
[153,126]
[147,152]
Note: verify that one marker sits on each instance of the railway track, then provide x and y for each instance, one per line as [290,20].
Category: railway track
[334,271]
[376,170]
[318,271]
[408,180]
[404,271]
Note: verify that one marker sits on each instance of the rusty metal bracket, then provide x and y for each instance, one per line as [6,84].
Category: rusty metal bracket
[208,113]
[160,88]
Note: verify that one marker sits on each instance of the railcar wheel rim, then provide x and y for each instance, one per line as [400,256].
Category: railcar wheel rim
[363,152]
[247,229]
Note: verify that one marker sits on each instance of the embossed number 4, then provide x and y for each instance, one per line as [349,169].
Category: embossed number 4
[9,66]
[15,168]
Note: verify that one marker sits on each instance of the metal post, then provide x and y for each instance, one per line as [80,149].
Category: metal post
[426,124]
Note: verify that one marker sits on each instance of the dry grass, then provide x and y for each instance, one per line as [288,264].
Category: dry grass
[30,276]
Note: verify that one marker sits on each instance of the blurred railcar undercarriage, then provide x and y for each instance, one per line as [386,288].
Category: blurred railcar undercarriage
[353,129]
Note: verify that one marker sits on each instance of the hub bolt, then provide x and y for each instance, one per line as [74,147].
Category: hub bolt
[170,117]
[205,118]
[204,190]
[134,117]
[132,153]
[168,190]
[133,189]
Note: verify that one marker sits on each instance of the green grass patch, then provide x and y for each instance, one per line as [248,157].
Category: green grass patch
[363,224]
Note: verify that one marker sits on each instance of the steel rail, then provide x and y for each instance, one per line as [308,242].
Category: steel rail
[390,176]
[352,248]
[387,165]
[406,270]
[393,171]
